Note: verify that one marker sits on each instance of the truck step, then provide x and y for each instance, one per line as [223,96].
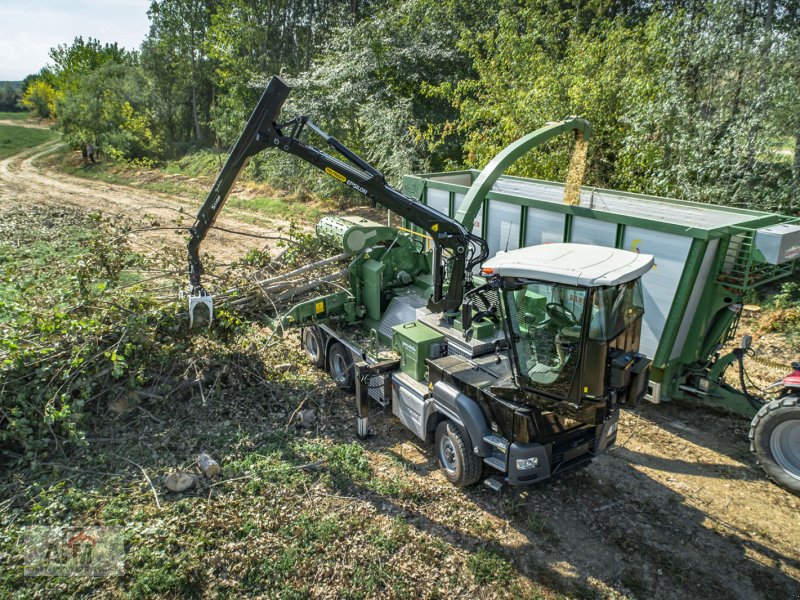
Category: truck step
[495,462]
[496,441]
[493,483]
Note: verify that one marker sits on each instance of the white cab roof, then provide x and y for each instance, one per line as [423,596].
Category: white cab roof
[572,264]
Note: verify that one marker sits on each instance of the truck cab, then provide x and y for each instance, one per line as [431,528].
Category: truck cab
[546,397]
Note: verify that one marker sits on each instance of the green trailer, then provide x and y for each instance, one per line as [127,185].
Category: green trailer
[707,258]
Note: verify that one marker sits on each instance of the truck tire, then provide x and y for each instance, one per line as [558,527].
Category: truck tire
[314,345]
[456,459]
[341,368]
[775,440]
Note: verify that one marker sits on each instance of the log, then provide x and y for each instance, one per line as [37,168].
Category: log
[310,285]
[295,291]
[208,465]
[304,269]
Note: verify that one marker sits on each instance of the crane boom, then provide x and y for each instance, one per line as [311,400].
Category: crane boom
[263,132]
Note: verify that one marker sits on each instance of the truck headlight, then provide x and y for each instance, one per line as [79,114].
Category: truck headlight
[612,430]
[523,464]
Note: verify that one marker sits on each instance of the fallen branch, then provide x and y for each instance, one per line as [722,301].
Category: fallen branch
[146,476]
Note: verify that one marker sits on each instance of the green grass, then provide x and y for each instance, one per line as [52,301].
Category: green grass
[15,139]
[282,209]
[488,566]
[38,250]
[15,116]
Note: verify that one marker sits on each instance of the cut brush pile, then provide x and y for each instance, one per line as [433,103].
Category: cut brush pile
[91,328]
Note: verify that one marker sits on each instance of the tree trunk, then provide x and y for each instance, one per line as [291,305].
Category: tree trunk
[796,170]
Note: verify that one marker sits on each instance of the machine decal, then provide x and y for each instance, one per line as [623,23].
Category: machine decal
[333,173]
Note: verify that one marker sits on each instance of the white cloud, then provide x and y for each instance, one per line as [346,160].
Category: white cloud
[29,30]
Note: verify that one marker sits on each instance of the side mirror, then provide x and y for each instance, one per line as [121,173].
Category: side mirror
[466,316]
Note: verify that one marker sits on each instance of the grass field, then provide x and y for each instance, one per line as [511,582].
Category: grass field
[15,116]
[14,139]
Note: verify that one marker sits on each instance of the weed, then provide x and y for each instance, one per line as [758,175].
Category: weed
[488,566]
[535,523]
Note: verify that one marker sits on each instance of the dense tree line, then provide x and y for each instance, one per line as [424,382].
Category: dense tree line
[689,98]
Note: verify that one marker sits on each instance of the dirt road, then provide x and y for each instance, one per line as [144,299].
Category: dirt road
[678,509]
[24,181]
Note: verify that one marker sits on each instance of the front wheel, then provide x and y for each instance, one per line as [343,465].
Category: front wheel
[775,440]
[459,464]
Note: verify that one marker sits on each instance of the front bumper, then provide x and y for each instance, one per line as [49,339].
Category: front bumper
[552,460]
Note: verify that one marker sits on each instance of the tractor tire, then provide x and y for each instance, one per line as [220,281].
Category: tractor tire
[775,440]
[341,368]
[314,345]
[460,465]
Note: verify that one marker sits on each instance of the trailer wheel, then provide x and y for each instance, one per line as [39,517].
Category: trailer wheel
[775,439]
[459,464]
[314,346]
[340,367]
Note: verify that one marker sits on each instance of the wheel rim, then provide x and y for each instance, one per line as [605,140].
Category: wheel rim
[785,446]
[312,347]
[447,454]
[339,368]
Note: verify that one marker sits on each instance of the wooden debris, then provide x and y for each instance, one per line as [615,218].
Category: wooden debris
[178,481]
[208,465]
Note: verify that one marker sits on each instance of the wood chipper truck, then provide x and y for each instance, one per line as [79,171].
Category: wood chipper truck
[516,365]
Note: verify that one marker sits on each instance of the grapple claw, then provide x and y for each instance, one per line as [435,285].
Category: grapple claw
[197,299]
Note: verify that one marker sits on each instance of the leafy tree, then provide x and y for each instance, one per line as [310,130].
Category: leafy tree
[110,107]
[9,97]
[40,97]
[71,62]
[176,58]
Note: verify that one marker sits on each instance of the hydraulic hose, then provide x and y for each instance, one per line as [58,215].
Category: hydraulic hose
[754,401]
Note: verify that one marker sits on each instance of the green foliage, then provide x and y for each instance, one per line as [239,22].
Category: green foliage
[40,97]
[110,109]
[9,96]
[684,103]
[488,566]
[74,61]
[67,338]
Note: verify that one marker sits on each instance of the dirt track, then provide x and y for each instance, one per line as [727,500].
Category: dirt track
[678,509]
[23,181]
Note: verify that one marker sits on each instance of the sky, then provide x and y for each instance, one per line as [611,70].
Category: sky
[29,29]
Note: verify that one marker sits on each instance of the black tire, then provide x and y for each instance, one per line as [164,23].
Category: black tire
[460,465]
[775,440]
[340,367]
[314,345]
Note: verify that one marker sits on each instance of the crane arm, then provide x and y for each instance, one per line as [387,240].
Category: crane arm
[263,132]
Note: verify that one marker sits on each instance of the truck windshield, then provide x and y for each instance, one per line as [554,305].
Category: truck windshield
[547,319]
[614,308]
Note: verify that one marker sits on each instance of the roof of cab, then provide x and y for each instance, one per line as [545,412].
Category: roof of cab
[571,264]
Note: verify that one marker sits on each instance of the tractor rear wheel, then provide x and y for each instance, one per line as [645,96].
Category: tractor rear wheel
[314,346]
[775,439]
[459,464]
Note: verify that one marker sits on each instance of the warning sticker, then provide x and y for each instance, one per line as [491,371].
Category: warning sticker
[333,173]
